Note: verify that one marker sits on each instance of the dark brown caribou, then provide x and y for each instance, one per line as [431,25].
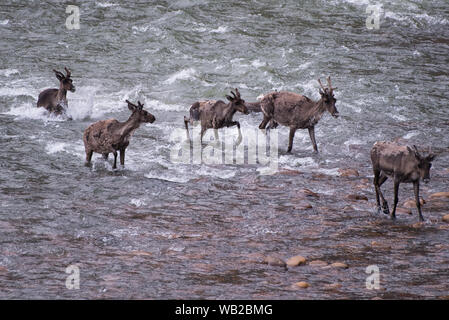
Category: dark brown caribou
[296,111]
[216,114]
[402,164]
[108,136]
[55,100]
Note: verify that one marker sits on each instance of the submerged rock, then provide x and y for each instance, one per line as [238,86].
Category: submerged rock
[274,261]
[446,218]
[439,195]
[296,261]
[356,197]
[332,286]
[302,284]
[339,265]
[348,172]
[411,203]
[403,210]
[318,263]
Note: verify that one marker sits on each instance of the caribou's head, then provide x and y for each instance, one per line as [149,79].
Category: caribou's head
[424,163]
[65,80]
[327,96]
[237,102]
[142,115]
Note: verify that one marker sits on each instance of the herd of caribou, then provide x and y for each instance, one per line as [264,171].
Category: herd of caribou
[389,159]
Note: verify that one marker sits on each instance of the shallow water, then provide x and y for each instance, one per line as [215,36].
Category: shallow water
[159,229]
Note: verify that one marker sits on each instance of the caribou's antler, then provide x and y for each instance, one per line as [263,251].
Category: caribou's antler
[140,105]
[330,84]
[68,72]
[321,85]
[237,92]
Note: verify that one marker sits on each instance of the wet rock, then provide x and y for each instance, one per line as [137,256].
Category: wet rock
[356,197]
[339,265]
[308,193]
[446,218]
[380,245]
[403,210]
[417,225]
[333,286]
[274,261]
[348,209]
[439,195]
[140,253]
[302,284]
[303,206]
[296,261]
[3,269]
[318,263]
[348,172]
[411,203]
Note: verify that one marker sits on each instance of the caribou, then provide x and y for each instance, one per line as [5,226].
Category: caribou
[55,100]
[295,111]
[108,136]
[214,114]
[402,164]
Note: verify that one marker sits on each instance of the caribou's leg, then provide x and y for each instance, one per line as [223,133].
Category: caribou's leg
[122,157]
[203,130]
[312,138]
[115,160]
[376,188]
[290,139]
[236,123]
[273,124]
[379,179]
[88,158]
[418,204]
[396,198]
[264,122]
[186,123]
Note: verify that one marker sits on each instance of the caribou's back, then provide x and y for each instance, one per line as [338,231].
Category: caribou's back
[394,159]
[287,108]
[99,136]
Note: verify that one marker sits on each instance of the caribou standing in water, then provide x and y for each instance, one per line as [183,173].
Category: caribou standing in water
[295,111]
[55,100]
[403,164]
[108,136]
[216,114]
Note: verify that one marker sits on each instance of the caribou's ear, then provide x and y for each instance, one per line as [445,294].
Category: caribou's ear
[229,98]
[131,106]
[58,75]
[430,157]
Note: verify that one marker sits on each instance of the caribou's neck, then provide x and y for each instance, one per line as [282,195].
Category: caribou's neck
[129,126]
[229,111]
[316,112]
[62,94]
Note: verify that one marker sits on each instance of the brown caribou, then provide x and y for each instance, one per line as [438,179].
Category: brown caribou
[216,114]
[55,100]
[296,111]
[108,136]
[402,164]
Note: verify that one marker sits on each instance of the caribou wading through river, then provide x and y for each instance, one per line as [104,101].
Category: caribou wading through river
[295,111]
[108,136]
[55,100]
[402,164]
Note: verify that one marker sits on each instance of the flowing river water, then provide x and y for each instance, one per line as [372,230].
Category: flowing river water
[160,229]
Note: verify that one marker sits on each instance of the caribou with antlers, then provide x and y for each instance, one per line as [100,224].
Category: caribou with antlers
[108,136]
[55,100]
[403,164]
[216,114]
[296,111]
